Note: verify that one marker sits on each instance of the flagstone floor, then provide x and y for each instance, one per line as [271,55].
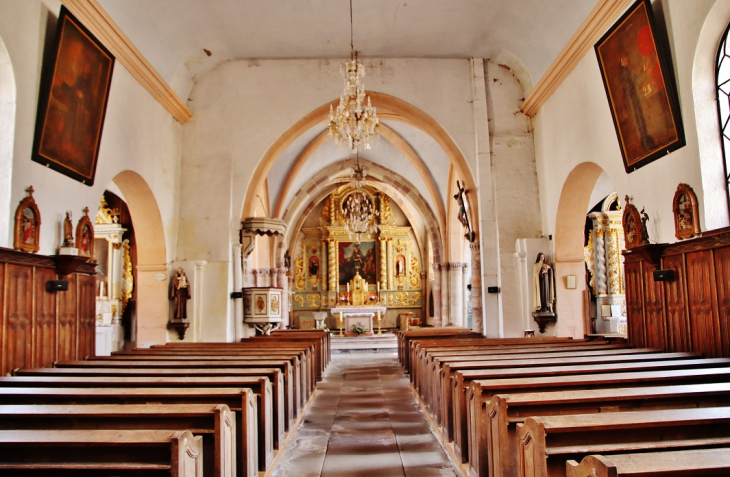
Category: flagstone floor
[363,421]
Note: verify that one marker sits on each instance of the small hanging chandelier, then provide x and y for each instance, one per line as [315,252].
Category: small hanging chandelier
[353,127]
[358,210]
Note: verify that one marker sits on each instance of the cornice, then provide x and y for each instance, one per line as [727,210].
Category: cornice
[99,23]
[601,18]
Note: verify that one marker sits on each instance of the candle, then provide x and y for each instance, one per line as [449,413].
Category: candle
[348,288]
[378,287]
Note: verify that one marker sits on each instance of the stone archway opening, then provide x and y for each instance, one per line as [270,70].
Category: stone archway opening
[7,133]
[152,279]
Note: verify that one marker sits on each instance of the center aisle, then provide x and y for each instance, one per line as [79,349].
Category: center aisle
[363,421]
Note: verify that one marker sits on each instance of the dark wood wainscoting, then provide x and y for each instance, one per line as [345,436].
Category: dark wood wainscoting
[690,312]
[38,327]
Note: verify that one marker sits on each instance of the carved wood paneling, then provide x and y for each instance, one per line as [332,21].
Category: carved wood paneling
[702,297]
[44,348]
[722,274]
[654,320]
[634,305]
[67,319]
[2,319]
[87,316]
[19,312]
[678,329]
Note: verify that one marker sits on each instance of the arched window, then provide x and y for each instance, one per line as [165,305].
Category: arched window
[723,103]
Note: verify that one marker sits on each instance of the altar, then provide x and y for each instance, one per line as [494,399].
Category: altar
[347,316]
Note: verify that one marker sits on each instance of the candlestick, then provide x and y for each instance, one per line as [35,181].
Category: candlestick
[341,323]
[380,332]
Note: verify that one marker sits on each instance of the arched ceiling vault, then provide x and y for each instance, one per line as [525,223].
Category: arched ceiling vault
[387,134]
[389,108]
[414,206]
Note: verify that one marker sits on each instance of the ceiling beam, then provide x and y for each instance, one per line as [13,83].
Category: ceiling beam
[100,24]
[603,16]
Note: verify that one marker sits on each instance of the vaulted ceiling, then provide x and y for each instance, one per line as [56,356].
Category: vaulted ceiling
[172,34]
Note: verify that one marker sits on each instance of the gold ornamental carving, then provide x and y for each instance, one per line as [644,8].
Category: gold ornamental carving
[300,279]
[127,276]
[588,253]
[414,273]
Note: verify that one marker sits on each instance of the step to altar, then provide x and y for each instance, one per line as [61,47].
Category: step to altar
[385,343]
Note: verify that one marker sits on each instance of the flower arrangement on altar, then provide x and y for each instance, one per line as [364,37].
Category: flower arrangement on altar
[358,329]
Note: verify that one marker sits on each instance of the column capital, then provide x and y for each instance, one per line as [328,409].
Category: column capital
[475,246]
[455,266]
[436,267]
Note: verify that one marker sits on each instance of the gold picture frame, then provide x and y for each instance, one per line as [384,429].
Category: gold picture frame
[27,224]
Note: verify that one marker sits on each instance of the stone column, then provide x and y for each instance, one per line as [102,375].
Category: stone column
[332,264]
[445,295]
[456,293]
[237,287]
[477,318]
[198,294]
[424,293]
[465,300]
[273,278]
[436,291]
[283,283]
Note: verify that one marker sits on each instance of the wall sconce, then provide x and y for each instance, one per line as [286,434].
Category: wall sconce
[571,282]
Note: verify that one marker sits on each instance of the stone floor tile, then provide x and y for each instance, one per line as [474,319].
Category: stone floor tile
[364,421]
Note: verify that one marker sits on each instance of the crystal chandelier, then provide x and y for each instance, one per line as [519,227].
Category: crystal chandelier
[358,210]
[353,126]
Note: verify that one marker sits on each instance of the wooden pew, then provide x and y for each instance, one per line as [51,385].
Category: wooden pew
[91,452]
[456,377]
[300,391]
[405,337]
[499,446]
[482,391]
[298,362]
[700,462]
[215,423]
[546,443]
[274,376]
[241,401]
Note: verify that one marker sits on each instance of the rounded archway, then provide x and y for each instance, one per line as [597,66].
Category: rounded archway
[569,236]
[7,133]
[152,302]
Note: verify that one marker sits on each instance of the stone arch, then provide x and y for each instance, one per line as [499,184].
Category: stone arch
[570,222]
[8,94]
[397,187]
[389,108]
[704,86]
[152,300]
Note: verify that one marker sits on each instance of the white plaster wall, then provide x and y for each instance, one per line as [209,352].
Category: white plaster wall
[234,131]
[575,126]
[515,178]
[139,135]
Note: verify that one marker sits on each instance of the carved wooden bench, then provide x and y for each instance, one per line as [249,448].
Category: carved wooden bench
[704,462]
[274,376]
[91,452]
[547,443]
[482,391]
[241,401]
[215,423]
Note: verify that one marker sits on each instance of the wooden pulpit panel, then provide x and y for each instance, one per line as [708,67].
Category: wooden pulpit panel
[678,329]
[702,298]
[19,310]
[722,271]
[44,347]
[655,330]
[87,316]
[67,322]
[634,305]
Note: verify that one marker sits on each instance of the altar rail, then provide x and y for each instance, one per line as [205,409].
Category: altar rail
[38,327]
[689,312]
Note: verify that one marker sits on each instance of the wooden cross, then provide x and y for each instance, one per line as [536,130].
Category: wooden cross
[86,211]
[30,191]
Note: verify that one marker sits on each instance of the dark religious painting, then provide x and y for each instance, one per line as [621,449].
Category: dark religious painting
[357,257]
[640,88]
[72,102]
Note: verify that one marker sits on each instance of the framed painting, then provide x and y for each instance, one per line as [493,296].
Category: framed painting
[85,236]
[72,102]
[357,257]
[27,224]
[686,213]
[640,87]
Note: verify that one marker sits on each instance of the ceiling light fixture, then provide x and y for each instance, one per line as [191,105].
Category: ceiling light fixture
[358,208]
[353,126]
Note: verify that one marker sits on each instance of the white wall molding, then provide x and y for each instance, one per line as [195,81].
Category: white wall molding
[93,17]
[601,18]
